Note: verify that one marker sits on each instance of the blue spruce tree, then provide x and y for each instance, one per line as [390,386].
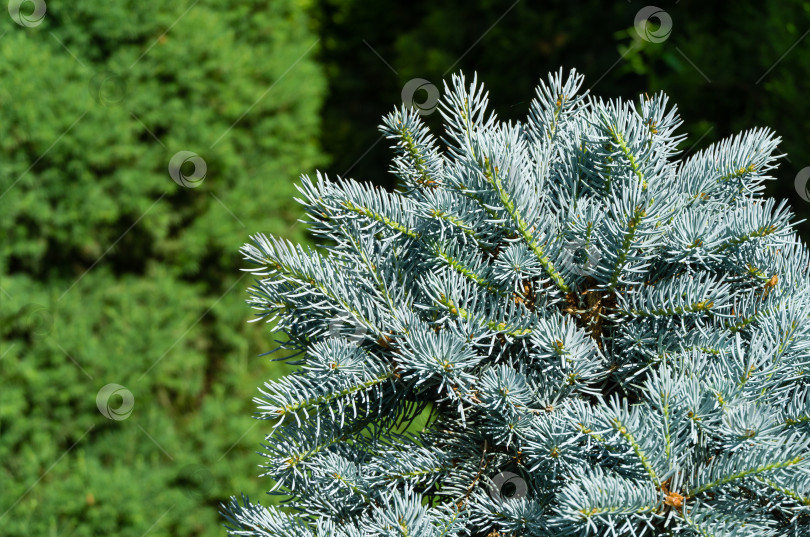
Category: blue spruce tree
[609,340]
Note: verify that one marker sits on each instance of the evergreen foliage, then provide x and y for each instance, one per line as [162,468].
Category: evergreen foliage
[110,272]
[610,340]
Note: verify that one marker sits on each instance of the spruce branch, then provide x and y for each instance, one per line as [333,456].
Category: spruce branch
[604,339]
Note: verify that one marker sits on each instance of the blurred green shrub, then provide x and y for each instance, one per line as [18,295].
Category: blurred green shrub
[111,272]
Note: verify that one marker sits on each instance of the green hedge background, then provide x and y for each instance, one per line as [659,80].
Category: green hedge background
[112,273]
